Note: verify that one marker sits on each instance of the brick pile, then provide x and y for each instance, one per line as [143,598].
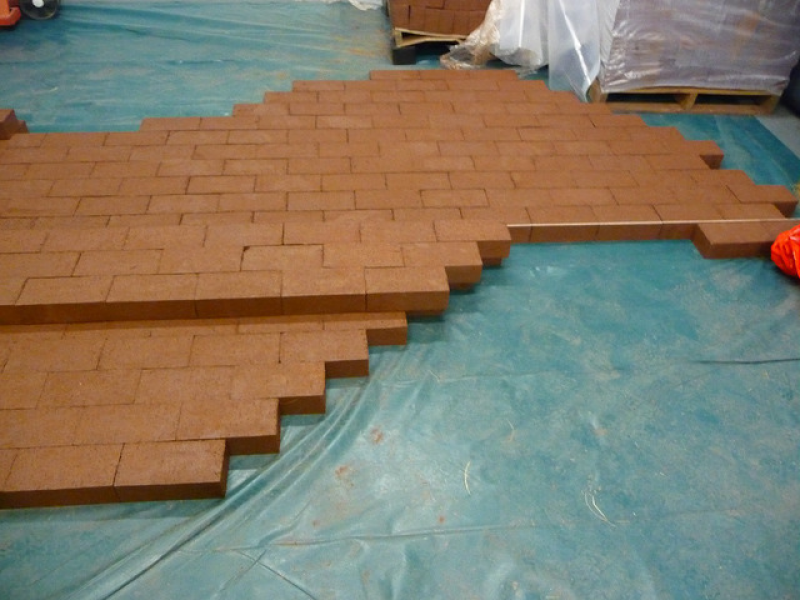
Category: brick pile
[167,294]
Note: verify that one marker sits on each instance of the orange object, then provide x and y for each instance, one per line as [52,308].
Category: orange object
[9,15]
[786,251]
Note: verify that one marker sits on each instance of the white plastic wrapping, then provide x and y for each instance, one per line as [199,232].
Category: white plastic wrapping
[563,34]
[632,44]
[514,31]
[719,44]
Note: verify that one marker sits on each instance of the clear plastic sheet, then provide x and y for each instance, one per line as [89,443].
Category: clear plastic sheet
[728,44]
[563,35]
[592,421]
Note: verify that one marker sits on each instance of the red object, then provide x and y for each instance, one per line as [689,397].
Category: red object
[786,251]
[9,15]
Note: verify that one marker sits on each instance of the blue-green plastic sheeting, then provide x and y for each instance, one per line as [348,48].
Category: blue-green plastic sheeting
[591,421]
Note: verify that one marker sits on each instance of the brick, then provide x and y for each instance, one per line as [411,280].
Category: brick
[562,224]
[461,260]
[382,199]
[62,476]
[130,205]
[492,237]
[318,291]
[320,233]
[188,168]
[282,258]
[417,290]
[125,423]
[136,186]
[344,352]
[248,426]
[63,299]
[383,329]
[146,353]
[279,324]
[169,124]
[214,259]
[235,349]
[221,184]
[172,471]
[54,355]
[616,223]
[21,241]
[38,428]
[778,195]
[89,388]
[320,201]
[362,255]
[258,201]
[358,215]
[64,240]
[424,214]
[178,385]
[122,169]
[178,203]
[679,220]
[397,232]
[732,240]
[20,390]
[118,262]
[299,386]
[169,236]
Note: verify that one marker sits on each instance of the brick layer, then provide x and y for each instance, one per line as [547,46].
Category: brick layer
[166,294]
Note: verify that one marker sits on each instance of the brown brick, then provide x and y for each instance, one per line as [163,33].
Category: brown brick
[143,186]
[283,258]
[88,388]
[124,423]
[419,290]
[130,205]
[778,195]
[344,352]
[172,471]
[41,427]
[62,476]
[214,259]
[146,353]
[563,224]
[383,329]
[732,240]
[634,222]
[362,255]
[317,291]
[320,233]
[248,426]
[397,232]
[184,384]
[20,390]
[461,260]
[299,386]
[492,237]
[169,236]
[54,355]
[679,220]
[118,262]
[63,240]
[235,349]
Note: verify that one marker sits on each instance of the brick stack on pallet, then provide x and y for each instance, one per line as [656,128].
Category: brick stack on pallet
[415,22]
[167,294]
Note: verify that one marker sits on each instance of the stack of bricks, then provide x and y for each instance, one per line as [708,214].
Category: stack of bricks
[167,294]
[444,17]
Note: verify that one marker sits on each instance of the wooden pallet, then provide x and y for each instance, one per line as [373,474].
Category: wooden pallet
[687,100]
[405,41]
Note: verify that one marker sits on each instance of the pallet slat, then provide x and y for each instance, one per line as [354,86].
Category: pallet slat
[687,100]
